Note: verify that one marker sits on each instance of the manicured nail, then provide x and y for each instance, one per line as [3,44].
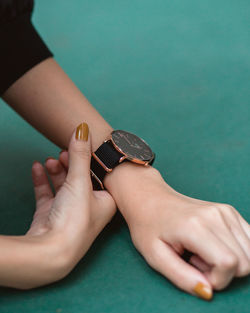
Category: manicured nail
[203,291]
[62,151]
[82,132]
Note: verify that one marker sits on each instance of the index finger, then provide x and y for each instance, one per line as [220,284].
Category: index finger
[222,261]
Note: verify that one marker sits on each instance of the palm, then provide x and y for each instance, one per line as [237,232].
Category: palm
[49,202]
[44,195]
[39,223]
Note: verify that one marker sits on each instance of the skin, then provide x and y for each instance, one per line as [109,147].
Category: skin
[64,224]
[162,222]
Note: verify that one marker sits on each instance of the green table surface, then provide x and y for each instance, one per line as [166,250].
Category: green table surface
[175,72]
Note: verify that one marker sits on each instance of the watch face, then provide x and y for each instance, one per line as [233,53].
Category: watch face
[131,145]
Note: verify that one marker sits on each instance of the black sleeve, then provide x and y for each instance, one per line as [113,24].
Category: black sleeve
[21,47]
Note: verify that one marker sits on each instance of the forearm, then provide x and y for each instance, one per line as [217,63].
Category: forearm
[47,98]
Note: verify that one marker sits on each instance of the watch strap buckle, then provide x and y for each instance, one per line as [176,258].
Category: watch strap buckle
[97,179]
[108,170]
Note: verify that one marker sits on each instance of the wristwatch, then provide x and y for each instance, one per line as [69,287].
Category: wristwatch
[119,147]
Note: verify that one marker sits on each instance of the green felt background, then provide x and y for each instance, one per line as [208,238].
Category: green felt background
[175,72]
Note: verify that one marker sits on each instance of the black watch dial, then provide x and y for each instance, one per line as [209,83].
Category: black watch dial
[132,146]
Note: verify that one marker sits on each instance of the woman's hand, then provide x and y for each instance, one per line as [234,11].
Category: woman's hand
[64,225]
[163,223]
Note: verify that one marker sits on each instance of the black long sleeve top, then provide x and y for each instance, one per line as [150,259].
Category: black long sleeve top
[21,47]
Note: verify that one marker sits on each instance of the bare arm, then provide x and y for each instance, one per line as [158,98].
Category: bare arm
[162,222]
[47,99]
[64,225]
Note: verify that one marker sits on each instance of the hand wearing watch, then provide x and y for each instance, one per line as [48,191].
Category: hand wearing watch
[121,146]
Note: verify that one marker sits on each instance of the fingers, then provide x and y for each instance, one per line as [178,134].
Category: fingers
[240,239]
[199,263]
[214,252]
[56,172]
[64,159]
[165,260]
[244,224]
[41,184]
[79,158]
[227,237]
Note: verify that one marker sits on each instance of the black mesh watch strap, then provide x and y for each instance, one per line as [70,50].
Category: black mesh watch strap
[105,156]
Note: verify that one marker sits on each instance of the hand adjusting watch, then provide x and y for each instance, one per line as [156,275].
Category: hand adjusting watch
[119,147]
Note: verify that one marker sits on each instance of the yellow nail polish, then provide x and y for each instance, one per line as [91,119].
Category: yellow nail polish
[203,291]
[82,132]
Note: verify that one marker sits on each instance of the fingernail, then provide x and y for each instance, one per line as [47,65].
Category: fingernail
[82,132]
[49,158]
[203,291]
[62,151]
[34,162]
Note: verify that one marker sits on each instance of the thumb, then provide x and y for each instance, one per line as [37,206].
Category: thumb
[79,156]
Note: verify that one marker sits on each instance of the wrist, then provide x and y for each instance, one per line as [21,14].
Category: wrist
[133,186]
[126,182]
[47,259]
[124,172]
[28,262]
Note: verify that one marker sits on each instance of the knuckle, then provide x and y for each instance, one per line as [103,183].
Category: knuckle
[226,207]
[244,270]
[214,212]
[228,262]
[82,150]
[194,222]
[218,284]
[68,184]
